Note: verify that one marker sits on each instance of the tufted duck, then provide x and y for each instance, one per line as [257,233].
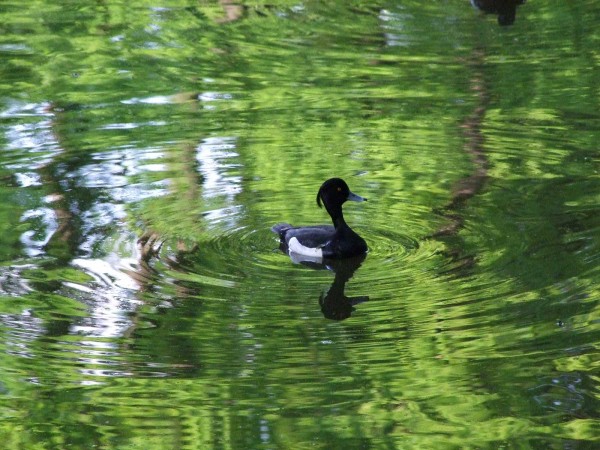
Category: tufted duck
[325,241]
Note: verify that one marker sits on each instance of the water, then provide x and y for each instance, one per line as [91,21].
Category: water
[146,150]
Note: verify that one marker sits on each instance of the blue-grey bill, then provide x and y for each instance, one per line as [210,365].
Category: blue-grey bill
[356,198]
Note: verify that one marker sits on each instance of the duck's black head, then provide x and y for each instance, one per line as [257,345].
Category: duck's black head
[333,193]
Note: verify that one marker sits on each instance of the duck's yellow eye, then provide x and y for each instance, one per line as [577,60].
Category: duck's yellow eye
[339,189]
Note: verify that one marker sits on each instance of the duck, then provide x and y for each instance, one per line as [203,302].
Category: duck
[506,9]
[325,241]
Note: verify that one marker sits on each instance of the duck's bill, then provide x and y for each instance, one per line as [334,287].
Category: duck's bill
[356,198]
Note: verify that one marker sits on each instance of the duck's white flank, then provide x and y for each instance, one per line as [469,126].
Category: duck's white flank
[296,247]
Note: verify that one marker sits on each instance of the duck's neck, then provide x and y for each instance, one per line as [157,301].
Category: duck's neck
[337,217]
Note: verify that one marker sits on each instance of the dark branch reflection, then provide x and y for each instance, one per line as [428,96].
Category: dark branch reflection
[472,184]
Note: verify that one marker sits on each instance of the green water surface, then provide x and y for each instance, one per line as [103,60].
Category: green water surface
[146,148]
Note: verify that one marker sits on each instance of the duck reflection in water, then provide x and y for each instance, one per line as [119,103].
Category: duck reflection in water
[506,9]
[335,305]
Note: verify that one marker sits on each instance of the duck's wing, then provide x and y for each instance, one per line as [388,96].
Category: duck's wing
[311,237]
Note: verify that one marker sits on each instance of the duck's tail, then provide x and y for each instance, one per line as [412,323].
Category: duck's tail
[281,228]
